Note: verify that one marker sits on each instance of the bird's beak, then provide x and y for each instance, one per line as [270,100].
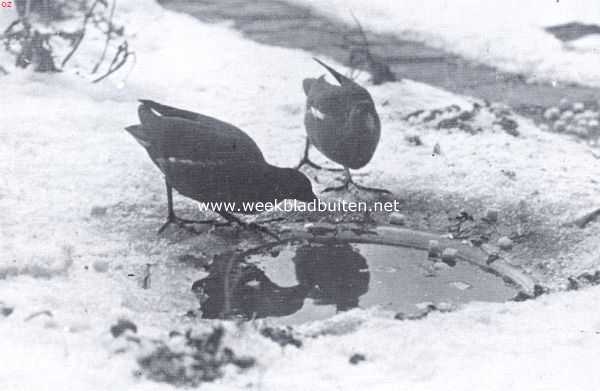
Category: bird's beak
[310,198]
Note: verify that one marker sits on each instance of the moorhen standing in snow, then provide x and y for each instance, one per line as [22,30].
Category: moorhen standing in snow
[342,123]
[209,160]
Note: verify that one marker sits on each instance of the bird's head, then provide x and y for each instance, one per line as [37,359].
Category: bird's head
[293,184]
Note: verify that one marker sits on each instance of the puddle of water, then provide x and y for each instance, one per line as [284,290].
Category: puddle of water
[310,282]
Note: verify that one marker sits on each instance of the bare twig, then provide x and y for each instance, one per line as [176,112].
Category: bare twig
[118,61]
[379,70]
[9,35]
[108,37]
[38,313]
[133,62]
[8,30]
[73,49]
[29,45]
[362,34]
[86,19]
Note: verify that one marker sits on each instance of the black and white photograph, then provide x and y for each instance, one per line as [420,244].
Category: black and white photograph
[294,195]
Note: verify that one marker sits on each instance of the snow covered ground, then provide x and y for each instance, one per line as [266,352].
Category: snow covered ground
[81,203]
[508,35]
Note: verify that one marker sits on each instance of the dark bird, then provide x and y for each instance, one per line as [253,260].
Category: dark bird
[342,123]
[209,160]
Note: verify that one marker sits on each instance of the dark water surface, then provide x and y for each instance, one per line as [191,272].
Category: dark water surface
[309,282]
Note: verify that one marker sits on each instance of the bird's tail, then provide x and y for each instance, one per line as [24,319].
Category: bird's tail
[169,111]
[343,80]
[147,116]
[146,131]
[137,131]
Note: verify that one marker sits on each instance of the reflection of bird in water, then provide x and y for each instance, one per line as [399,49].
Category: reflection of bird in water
[235,287]
[338,274]
[332,275]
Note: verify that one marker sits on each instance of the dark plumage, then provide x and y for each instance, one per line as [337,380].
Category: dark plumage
[341,122]
[209,160]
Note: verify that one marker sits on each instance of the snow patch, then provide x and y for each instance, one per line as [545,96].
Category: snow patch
[508,34]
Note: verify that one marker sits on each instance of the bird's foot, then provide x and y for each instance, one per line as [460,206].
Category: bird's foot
[306,161]
[372,189]
[345,186]
[183,223]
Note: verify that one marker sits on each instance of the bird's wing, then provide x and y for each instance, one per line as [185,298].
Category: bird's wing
[204,140]
[326,100]
[174,112]
[215,180]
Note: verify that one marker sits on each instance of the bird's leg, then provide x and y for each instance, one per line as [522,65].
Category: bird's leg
[172,218]
[347,181]
[373,189]
[306,160]
[253,226]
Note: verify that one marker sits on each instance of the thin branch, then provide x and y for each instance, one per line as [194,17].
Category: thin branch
[10,26]
[87,17]
[73,49]
[133,62]
[118,61]
[380,71]
[108,37]
[362,34]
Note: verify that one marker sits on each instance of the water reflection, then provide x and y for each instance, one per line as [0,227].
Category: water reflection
[308,282]
[337,275]
[330,275]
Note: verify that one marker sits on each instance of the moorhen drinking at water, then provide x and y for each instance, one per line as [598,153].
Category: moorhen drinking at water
[209,160]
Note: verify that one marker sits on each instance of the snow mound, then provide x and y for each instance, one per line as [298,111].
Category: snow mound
[508,35]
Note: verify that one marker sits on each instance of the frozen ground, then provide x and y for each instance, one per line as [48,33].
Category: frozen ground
[508,35]
[79,196]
